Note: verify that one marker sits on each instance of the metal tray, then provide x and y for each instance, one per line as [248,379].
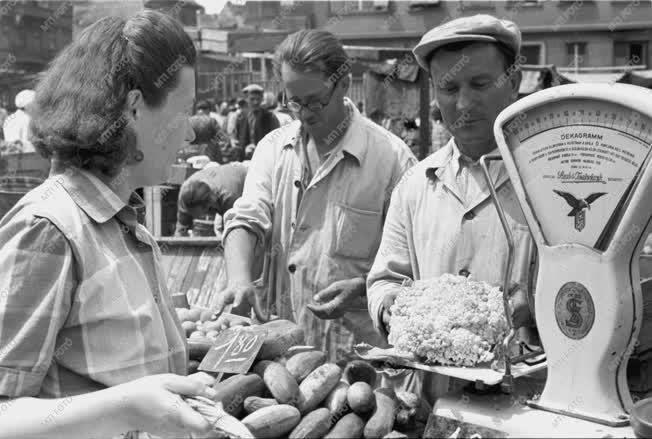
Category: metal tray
[481,373]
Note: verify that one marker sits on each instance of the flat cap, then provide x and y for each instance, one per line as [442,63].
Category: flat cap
[254,88]
[481,27]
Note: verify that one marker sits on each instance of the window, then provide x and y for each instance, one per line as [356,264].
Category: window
[630,53]
[576,55]
[255,64]
[415,4]
[263,9]
[355,6]
[481,4]
[517,4]
[533,53]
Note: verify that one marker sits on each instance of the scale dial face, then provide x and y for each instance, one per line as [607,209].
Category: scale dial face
[578,160]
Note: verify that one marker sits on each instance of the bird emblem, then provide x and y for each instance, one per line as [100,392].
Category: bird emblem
[579,206]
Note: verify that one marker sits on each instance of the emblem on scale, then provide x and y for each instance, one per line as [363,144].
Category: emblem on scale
[578,206]
[574,310]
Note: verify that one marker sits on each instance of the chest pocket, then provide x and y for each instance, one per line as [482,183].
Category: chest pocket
[357,232]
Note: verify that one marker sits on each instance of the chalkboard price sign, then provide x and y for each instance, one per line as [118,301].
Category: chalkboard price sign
[234,350]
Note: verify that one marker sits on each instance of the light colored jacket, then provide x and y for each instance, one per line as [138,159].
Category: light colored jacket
[319,232]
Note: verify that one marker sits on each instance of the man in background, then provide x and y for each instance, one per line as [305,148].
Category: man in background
[221,114]
[203,108]
[209,193]
[258,122]
[16,125]
[240,111]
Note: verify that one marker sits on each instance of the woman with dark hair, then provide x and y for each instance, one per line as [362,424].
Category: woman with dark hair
[90,345]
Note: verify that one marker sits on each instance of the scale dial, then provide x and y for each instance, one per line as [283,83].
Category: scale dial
[578,160]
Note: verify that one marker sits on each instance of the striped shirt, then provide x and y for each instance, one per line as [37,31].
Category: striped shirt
[83,302]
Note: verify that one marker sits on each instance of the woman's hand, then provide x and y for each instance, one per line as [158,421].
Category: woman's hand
[154,404]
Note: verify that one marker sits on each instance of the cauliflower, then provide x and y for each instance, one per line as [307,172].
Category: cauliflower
[450,320]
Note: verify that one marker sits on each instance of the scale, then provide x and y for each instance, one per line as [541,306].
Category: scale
[577,156]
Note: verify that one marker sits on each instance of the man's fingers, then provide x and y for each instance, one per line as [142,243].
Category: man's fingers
[319,311]
[328,310]
[328,293]
[240,296]
[224,299]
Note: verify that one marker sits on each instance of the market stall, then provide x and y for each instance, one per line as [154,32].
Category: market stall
[592,298]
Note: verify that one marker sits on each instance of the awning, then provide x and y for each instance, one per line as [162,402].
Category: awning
[539,77]
[602,78]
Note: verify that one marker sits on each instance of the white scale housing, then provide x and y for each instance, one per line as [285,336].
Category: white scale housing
[578,156]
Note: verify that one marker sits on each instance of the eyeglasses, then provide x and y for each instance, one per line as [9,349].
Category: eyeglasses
[315,107]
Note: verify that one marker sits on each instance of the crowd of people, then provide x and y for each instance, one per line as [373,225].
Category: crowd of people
[229,131]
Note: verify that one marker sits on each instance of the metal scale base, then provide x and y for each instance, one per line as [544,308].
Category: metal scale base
[497,415]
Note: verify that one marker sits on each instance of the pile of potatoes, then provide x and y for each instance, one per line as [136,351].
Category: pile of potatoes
[197,323]
[292,391]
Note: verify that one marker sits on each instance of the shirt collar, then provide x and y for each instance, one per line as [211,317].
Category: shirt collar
[439,159]
[353,141]
[97,199]
[450,154]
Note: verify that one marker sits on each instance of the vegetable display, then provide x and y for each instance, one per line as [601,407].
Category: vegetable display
[297,394]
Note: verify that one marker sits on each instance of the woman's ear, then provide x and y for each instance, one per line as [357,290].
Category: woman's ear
[135,103]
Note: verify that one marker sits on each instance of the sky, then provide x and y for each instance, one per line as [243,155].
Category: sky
[212,6]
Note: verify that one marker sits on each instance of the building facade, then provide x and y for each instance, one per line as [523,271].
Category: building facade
[31,34]
[577,34]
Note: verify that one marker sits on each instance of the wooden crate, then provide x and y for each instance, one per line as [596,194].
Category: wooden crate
[194,267]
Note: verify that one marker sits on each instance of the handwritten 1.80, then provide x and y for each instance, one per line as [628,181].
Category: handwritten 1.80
[239,345]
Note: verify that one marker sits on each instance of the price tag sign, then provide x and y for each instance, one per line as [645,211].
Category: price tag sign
[234,350]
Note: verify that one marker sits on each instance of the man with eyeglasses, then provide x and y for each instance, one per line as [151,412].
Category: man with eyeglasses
[315,200]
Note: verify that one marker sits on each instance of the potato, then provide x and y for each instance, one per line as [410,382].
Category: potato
[206,315]
[193,366]
[182,313]
[194,314]
[213,325]
[189,327]
[212,334]
[197,334]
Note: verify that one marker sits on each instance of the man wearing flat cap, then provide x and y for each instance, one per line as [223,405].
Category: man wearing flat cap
[257,123]
[441,218]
